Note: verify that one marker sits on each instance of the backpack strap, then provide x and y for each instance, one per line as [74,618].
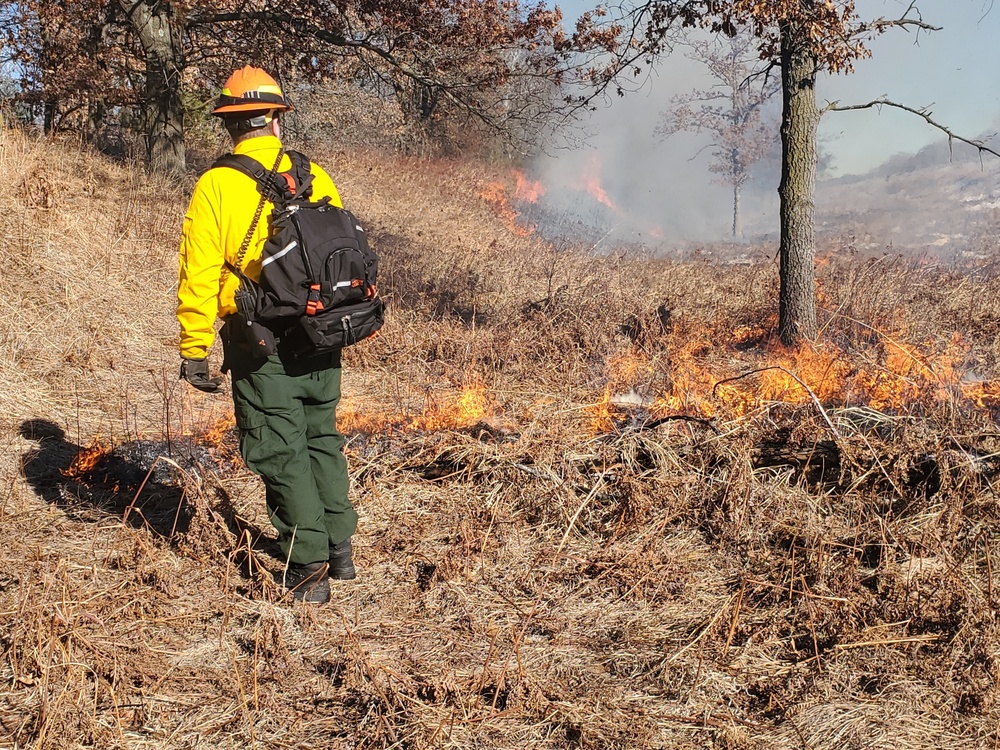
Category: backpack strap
[239,162]
[301,173]
[268,185]
[297,181]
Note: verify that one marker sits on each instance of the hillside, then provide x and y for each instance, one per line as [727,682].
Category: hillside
[600,506]
[941,201]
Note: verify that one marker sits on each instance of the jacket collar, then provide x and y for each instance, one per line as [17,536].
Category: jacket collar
[260,144]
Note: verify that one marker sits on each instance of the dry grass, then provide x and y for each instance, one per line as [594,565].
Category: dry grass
[538,567]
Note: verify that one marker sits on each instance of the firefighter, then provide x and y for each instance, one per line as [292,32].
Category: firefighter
[285,408]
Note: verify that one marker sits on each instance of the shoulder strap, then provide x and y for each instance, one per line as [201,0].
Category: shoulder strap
[268,178]
[267,185]
[302,173]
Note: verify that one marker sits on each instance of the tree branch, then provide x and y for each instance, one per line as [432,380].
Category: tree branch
[923,113]
[451,90]
[300,25]
[905,20]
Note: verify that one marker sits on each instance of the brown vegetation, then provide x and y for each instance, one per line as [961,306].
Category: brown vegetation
[591,515]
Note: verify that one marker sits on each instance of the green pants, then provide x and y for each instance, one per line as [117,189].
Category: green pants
[287,418]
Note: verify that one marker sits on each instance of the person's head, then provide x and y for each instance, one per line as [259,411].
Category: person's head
[266,122]
[250,105]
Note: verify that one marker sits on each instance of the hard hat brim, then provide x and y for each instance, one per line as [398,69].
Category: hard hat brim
[250,107]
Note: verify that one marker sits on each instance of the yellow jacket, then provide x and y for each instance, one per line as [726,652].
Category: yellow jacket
[217,219]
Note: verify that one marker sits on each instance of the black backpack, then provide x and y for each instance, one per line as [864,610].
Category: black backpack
[317,289]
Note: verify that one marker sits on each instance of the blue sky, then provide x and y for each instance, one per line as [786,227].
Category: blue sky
[955,72]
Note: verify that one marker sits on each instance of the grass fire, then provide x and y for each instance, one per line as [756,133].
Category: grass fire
[601,505]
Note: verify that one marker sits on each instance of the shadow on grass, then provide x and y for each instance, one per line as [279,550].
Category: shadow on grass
[140,483]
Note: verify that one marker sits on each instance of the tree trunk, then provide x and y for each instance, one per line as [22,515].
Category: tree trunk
[51,108]
[164,63]
[797,191]
[737,212]
[95,120]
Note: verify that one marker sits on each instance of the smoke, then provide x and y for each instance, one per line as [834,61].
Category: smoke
[626,180]
[663,191]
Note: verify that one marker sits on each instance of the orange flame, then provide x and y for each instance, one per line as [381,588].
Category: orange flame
[592,182]
[216,435]
[86,459]
[467,408]
[602,415]
[796,372]
[526,189]
[496,195]
[985,395]
[692,378]
[908,374]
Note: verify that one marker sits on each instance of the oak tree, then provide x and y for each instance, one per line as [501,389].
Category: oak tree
[801,39]
[56,52]
[496,63]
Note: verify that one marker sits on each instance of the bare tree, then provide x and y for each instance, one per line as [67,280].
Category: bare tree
[731,112]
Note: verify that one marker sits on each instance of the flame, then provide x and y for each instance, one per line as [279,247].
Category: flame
[526,189]
[470,406]
[216,435]
[602,415]
[86,459]
[698,375]
[351,419]
[985,395]
[626,368]
[592,182]
[496,195]
[909,374]
[796,372]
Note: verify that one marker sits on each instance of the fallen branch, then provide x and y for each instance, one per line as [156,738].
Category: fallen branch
[654,423]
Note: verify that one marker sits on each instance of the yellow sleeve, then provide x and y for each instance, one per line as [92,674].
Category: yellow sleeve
[323,186]
[201,261]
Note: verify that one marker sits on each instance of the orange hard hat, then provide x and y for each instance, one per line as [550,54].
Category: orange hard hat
[250,90]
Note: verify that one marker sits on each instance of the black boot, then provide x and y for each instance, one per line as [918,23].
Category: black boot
[341,564]
[308,583]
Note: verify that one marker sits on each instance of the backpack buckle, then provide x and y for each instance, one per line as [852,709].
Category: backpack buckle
[313,303]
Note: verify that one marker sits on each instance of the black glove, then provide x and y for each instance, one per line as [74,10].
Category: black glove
[195,371]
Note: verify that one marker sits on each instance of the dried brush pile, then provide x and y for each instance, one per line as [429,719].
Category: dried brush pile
[600,506]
